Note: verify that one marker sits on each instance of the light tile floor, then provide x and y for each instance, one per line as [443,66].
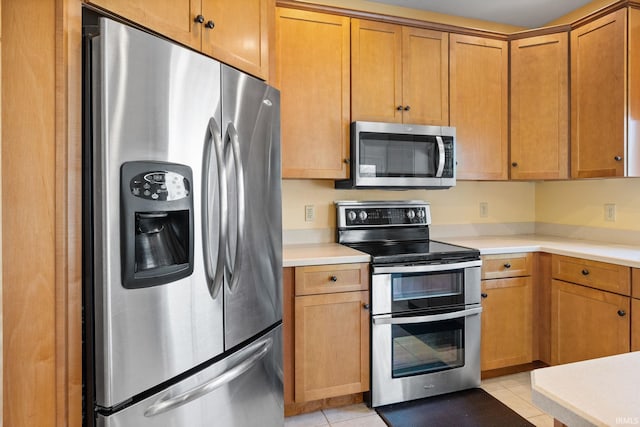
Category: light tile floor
[512,390]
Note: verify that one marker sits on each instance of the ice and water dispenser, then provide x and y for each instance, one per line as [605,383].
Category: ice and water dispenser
[157,223]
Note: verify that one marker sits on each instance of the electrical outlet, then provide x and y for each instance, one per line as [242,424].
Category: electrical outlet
[309,213]
[610,212]
[484,209]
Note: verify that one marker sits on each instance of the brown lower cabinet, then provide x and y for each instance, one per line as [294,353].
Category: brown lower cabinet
[587,323]
[326,332]
[635,324]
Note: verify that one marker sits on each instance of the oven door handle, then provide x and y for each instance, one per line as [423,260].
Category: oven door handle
[388,320]
[426,268]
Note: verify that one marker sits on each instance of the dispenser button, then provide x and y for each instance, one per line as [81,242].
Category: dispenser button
[147,185]
[154,196]
[147,193]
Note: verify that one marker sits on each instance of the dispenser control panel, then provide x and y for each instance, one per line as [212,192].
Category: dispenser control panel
[160,185]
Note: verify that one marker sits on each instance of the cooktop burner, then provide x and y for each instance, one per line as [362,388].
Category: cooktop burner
[395,232]
[416,251]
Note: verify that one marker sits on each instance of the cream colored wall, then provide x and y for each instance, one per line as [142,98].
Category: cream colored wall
[581,12]
[509,202]
[582,202]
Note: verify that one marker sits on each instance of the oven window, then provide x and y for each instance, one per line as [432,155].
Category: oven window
[423,348]
[427,290]
[389,155]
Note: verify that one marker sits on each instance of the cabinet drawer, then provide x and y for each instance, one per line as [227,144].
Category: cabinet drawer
[506,265]
[323,279]
[595,274]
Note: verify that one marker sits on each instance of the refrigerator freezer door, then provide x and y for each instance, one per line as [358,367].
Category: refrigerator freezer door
[152,101]
[242,390]
[251,129]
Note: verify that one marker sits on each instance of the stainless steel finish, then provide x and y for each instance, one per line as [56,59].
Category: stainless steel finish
[344,205]
[252,398]
[253,111]
[156,101]
[255,353]
[426,268]
[401,182]
[386,319]
[214,264]
[140,95]
[440,156]
[386,390]
[381,289]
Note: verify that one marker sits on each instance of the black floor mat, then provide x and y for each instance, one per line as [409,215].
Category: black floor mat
[468,408]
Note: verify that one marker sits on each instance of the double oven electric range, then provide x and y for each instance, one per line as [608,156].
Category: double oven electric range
[425,301]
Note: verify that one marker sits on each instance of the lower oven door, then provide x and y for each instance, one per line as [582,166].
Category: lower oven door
[424,355]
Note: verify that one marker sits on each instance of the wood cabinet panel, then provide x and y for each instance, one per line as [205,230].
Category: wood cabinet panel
[331,345]
[288,319]
[506,322]
[399,74]
[595,274]
[635,282]
[587,323]
[635,324]
[312,72]
[542,308]
[323,279]
[540,107]
[478,103]
[425,81]
[506,265]
[376,68]
[241,33]
[598,97]
[174,19]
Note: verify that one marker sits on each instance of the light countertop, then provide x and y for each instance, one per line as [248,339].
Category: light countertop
[596,392]
[333,253]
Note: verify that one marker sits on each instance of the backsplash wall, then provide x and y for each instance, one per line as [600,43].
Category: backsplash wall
[508,202]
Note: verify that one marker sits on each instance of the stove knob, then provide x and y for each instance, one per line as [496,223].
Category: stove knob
[362,215]
[420,213]
[352,215]
[411,214]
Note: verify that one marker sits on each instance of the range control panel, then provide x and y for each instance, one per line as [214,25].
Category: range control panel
[382,214]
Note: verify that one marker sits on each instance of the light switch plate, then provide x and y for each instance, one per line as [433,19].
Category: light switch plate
[309,213]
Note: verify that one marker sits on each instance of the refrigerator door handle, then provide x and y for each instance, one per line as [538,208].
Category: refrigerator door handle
[257,350]
[235,266]
[215,277]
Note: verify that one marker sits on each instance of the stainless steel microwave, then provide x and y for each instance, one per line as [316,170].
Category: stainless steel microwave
[401,156]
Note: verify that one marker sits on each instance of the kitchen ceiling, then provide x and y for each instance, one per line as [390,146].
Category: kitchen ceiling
[521,13]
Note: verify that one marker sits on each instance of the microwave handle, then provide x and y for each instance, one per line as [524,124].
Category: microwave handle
[440,156]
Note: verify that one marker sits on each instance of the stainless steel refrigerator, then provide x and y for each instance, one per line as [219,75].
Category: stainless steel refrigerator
[183,246]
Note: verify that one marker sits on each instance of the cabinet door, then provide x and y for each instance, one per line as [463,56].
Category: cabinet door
[331,345]
[240,36]
[598,97]
[587,323]
[312,71]
[425,71]
[506,322]
[540,107]
[479,106]
[171,18]
[635,324]
[376,67]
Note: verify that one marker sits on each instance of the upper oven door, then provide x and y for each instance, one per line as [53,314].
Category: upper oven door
[396,289]
[401,155]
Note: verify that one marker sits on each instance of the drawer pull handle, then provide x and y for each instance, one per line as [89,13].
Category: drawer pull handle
[365,306]
[585,272]
[507,265]
[483,295]
[334,278]
[621,313]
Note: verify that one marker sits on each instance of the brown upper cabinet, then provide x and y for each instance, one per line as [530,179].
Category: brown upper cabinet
[479,80]
[399,74]
[599,94]
[540,107]
[312,72]
[233,31]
